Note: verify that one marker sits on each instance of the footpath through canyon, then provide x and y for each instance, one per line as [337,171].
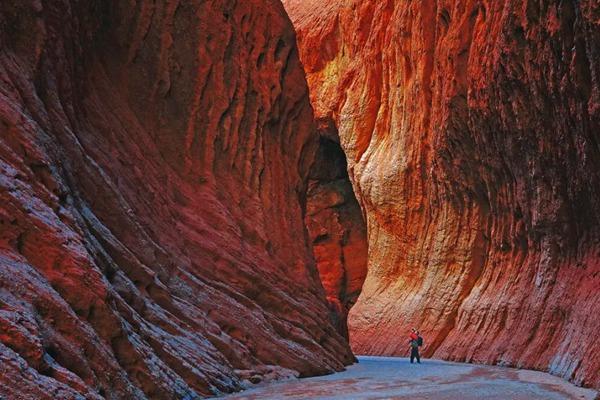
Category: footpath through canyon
[389,378]
[198,196]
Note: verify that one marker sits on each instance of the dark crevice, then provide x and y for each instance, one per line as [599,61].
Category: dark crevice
[336,228]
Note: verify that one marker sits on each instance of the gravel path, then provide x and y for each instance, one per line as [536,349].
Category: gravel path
[395,378]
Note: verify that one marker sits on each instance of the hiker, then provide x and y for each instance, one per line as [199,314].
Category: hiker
[415,342]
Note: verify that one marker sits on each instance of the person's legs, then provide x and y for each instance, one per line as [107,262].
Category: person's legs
[412,355]
[418,356]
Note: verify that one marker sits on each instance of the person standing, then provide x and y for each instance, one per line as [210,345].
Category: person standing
[415,341]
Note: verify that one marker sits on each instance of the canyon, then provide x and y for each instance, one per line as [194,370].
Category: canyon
[196,197]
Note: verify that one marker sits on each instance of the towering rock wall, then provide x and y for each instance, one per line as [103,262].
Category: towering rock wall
[472,134]
[153,168]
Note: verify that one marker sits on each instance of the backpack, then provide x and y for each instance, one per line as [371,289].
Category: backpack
[419,341]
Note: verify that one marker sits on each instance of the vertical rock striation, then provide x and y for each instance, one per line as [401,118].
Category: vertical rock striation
[472,135]
[153,168]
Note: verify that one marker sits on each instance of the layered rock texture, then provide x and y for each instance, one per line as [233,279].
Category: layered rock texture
[154,158]
[337,230]
[472,132]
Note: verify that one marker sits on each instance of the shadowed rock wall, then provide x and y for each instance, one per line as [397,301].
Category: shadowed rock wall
[153,166]
[472,135]
[337,229]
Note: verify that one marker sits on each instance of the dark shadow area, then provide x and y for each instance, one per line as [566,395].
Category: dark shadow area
[337,230]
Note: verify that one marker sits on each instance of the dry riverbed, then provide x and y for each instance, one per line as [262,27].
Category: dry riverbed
[395,378]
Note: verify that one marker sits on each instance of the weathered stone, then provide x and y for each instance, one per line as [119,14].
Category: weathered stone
[153,169]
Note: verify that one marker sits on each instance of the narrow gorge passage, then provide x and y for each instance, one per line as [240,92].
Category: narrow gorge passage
[197,197]
[337,230]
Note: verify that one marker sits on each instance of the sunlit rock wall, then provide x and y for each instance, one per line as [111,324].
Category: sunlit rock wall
[472,131]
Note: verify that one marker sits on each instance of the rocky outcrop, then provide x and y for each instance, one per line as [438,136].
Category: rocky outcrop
[337,230]
[471,131]
[153,172]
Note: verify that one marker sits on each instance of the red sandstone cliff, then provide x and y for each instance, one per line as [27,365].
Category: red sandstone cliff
[472,134]
[153,169]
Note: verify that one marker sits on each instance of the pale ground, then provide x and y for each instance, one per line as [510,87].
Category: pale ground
[395,378]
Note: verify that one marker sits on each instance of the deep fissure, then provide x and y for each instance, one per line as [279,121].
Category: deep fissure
[337,230]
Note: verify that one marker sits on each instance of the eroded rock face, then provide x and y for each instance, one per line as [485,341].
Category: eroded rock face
[471,130]
[153,165]
[337,230]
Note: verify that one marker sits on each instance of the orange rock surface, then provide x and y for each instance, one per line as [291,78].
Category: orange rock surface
[154,158]
[471,130]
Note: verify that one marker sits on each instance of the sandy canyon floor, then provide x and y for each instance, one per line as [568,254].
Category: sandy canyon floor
[395,378]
